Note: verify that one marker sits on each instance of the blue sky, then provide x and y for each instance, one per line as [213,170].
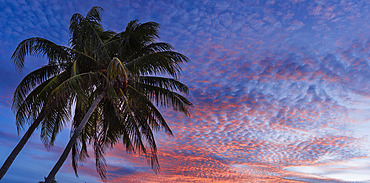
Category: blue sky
[281,90]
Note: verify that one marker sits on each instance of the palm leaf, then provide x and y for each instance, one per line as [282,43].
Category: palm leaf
[40,46]
[157,63]
[163,82]
[155,115]
[33,79]
[32,104]
[164,97]
[94,14]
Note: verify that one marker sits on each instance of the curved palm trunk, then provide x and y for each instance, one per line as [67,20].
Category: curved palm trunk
[72,140]
[19,146]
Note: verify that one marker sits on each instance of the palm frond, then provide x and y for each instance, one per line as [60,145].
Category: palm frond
[39,46]
[53,122]
[94,14]
[71,87]
[75,157]
[86,32]
[137,119]
[32,80]
[79,149]
[141,33]
[164,97]
[157,63]
[75,24]
[148,31]
[136,36]
[131,125]
[155,118]
[100,163]
[32,104]
[59,102]
[162,82]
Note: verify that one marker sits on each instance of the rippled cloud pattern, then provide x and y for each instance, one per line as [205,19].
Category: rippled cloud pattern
[281,90]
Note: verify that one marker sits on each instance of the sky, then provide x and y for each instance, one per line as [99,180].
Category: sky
[281,90]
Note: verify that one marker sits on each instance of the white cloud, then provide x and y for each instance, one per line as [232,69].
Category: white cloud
[352,170]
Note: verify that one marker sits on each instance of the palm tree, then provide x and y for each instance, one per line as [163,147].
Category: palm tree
[122,87]
[110,80]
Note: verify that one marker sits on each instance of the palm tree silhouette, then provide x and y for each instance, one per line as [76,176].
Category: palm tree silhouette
[109,80]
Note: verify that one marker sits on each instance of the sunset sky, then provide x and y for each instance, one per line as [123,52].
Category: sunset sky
[281,90]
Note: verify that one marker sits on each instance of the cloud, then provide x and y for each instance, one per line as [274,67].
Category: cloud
[350,170]
[274,85]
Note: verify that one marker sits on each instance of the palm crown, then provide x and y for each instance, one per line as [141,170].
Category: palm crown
[116,71]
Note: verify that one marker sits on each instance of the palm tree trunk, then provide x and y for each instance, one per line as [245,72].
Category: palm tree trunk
[72,140]
[8,162]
